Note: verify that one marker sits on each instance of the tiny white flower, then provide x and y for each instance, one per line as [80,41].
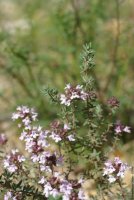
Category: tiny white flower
[66,127]
[71,138]
[54,193]
[127,129]
[68,86]
[81,195]
[111,179]
[42,180]
[7,196]
[47,189]
[55,137]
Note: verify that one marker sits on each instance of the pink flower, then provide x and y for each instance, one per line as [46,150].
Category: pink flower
[64,100]
[72,93]
[59,132]
[66,188]
[55,137]
[113,102]
[13,161]
[119,128]
[25,114]
[115,169]
[35,139]
[42,180]
[12,196]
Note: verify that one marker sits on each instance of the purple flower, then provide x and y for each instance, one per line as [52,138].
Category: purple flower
[55,137]
[81,195]
[115,169]
[113,102]
[26,115]
[54,192]
[8,196]
[42,180]
[58,186]
[64,100]
[59,161]
[13,161]
[35,139]
[47,189]
[60,131]
[11,195]
[72,93]
[37,142]
[119,128]
[46,160]
[66,188]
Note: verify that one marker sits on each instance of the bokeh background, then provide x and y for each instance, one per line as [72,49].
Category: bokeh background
[40,46]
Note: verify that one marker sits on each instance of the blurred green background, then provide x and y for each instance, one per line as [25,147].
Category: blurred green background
[40,46]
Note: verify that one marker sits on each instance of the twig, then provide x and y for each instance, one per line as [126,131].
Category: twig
[122,192]
[116,47]
[77,17]
[132,183]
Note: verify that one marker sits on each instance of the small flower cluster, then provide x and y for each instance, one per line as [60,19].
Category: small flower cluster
[115,169]
[37,142]
[35,139]
[3,139]
[58,186]
[119,128]
[10,195]
[59,132]
[13,161]
[113,102]
[26,115]
[72,93]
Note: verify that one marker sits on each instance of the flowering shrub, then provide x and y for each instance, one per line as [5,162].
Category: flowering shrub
[79,138]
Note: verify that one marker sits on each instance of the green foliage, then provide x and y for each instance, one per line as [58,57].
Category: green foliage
[51,198]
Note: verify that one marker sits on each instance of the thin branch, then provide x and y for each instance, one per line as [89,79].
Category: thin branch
[132,183]
[21,82]
[122,192]
[116,47]
[78,24]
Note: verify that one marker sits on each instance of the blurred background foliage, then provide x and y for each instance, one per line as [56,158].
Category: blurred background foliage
[41,42]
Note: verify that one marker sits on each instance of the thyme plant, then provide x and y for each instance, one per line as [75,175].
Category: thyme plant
[74,148]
